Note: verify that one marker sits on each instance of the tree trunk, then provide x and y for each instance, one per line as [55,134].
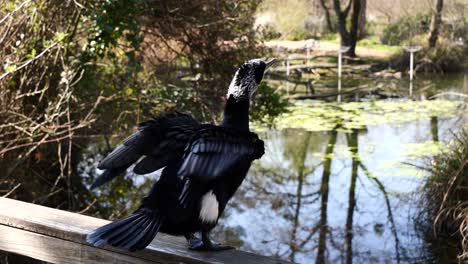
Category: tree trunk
[341,22]
[362,20]
[353,34]
[330,24]
[348,38]
[436,20]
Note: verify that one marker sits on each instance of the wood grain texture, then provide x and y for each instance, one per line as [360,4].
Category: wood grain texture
[57,250]
[27,223]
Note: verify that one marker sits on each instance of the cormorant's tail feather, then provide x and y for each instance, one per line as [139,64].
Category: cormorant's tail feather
[132,233]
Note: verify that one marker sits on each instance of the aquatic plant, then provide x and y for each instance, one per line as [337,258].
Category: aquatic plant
[325,116]
[445,196]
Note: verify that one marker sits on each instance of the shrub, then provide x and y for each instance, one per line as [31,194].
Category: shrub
[456,28]
[404,29]
[447,56]
[268,105]
[299,34]
[446,196]
[268,32]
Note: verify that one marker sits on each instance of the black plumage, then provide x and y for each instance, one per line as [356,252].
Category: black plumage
[203,165]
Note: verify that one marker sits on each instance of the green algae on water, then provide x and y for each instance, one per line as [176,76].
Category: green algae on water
[326,116]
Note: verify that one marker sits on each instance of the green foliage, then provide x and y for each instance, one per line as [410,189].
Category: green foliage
[268,105]
[113,21]
[405,28]
[331,37]
[299,35]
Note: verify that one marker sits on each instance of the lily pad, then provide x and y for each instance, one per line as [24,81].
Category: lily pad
[325,116]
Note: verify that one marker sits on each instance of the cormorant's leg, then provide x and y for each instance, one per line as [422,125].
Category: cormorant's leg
[210,245]
[206,244]
[193,242]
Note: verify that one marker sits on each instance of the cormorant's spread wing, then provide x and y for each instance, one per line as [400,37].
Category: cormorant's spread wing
[215,150]
[159,140]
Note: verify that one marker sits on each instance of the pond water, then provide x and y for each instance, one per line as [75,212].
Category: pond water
[334,185]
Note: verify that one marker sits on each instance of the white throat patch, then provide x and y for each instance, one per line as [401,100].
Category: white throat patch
[234,89]
[242,88]
[209,208]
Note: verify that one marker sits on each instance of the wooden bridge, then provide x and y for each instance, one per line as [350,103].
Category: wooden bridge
[57,236]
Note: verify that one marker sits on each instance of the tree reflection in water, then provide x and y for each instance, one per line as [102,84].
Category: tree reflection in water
[291,187]
[324,198]
[354,148]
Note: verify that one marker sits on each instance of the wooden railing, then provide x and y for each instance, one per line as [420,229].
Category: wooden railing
[60,237]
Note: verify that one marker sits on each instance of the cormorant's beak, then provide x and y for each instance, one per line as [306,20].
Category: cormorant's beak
[269,63]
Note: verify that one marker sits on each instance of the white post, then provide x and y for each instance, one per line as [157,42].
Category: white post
[410,88]
[338,99]
[308,48]
[287,71]
[341,50]
[339,64]
[411,65]
[412,50]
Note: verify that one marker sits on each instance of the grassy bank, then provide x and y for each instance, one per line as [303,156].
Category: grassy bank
[446,197]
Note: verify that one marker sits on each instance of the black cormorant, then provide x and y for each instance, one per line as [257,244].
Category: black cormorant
[203,165]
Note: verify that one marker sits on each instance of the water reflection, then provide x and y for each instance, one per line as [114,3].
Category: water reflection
[328,197]
[411,89]
[324,191]
[338,97]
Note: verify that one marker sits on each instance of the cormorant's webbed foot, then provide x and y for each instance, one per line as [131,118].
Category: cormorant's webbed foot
[204,244]
[193,242]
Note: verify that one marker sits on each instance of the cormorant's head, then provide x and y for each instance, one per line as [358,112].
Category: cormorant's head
[244,84]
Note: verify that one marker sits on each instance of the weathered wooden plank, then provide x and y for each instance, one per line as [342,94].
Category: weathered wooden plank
[57,250]
[74,228]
